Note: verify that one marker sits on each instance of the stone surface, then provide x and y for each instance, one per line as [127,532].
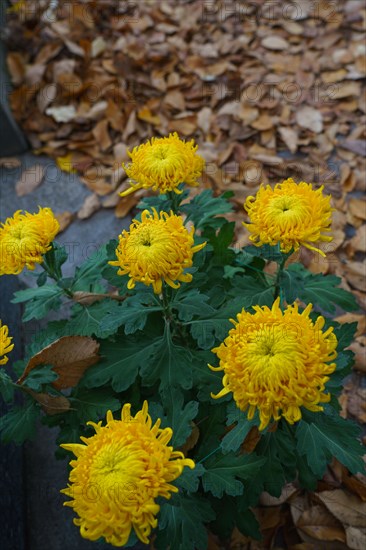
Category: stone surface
[32,485]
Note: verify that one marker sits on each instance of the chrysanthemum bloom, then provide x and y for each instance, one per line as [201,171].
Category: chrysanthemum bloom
[276,362]
[290,214]
[5,343]
[156,249]
[24,239]
[163,163]
[118,474]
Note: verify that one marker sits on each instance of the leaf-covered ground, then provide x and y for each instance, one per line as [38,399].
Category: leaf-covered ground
[268,90]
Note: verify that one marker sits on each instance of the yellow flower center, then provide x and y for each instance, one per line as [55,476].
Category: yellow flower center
[287,212]
[271,357]
[111,472]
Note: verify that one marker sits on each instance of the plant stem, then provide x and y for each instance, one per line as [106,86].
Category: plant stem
[277,284]
[175,200]
[169,315]
[54,274]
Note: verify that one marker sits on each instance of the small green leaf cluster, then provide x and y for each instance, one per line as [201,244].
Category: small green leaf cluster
[158,347]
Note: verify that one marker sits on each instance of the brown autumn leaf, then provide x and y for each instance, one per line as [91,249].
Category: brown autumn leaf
[358,208]
[360,318]
[101,134]
[310,118]
[275,42]
[64,219]
[29,180]
[125,204]
[251,440]
[289,137]
[346,507]
[69,356]
[191,440]
[88,298]
[359,349]
[90,205]
[51,404]
[356,537]
[10,162]
[319,524]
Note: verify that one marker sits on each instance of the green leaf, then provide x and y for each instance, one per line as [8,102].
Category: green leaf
[42,278]
[42,338]
[344,362]
[279,448]
[120,362]
[161,203]
[211,425]
[267,252]
[345,334]
[6,386]
[170,364]
[215,327]
[222,472]
[132,313]
[320,437]
[321,290]
[40,300]
[230,271]
[253,291]
[220,242]
[88,320]
[308,480]
[55,258]
[181,523]
[204,378]
[203,208]
[247,523]
[20,423]
[179,416]
[189,480]
[39,375]
[236,436]
[190,302]
[89,273]
[92,404]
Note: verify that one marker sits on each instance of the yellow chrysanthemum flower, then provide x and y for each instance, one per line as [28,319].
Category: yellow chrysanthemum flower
[162,164]
[290,214]
[156,249]
[5,343]
[118,474]
[277,362]
[24,239]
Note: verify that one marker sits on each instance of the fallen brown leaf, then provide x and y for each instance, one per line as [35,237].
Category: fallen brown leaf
[10,162]
[29,180]
[64,219]
[347,508]
[69,356]
[51,404]
[90,205]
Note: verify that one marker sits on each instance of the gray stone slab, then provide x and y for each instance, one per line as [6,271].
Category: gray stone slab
[47,523]
[12,487]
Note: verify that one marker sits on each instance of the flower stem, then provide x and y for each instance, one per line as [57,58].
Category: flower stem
[277,284]
[169,316]
[49,264]
[175,201]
